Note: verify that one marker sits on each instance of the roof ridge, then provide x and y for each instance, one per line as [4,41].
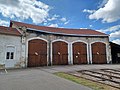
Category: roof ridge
[53,27]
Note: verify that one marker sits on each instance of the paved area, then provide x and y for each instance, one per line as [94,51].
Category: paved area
[67,68]
[42,78]
[36,79]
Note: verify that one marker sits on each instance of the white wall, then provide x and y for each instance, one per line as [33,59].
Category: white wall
[15,41]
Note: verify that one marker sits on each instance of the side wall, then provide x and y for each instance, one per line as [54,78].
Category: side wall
[14,42]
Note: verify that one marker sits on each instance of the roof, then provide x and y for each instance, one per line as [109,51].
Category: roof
[63,31]
[9,31]
[114,45]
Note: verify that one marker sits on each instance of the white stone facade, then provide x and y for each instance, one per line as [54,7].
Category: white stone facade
[70,40]
[11,44]
[14,49]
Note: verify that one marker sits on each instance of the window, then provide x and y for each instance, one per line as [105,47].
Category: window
[10,52]
[10,55]
[118,54]
[7,55]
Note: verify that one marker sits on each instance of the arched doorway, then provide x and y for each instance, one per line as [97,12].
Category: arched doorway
[59,53]
[79,53]
[37,53]
[98,53]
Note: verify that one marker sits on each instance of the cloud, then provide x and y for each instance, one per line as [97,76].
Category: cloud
[102,3]
[63,19]
[53,25]
[89,11]
[35,10]
[113,28]
[10,2]
[110,29]
[109,13]
[90,25]
[54,17]
[66,22]
[115,34]
[117,41]
[4,23]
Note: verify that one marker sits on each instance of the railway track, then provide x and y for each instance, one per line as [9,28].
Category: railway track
[109,77]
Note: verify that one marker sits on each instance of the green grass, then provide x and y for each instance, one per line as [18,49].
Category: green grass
[88,83]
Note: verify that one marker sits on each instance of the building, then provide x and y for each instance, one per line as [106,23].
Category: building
[10,48]
[27,45]
[115,52]
[43,46]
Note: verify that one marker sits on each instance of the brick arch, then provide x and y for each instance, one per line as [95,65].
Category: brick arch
[98,53]
[79,53]
[37,53]
[59,53]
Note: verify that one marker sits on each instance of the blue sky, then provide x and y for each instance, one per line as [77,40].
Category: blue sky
[100,15]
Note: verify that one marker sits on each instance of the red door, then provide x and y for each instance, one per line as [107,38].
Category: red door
[79,53]
[60,53]
[37,53]
[99,53]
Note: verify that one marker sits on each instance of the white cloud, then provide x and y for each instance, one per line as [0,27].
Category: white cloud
[54,17]
[115,34]
[117,41]
[110,29]
[90,25]
[66,22]
[109,13]
[89,11]
[102,3]
[63,19]
[53,25]
[34,10]
[113,28]
[4,23]
[25,9]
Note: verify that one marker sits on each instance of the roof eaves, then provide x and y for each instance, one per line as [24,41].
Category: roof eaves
[10,34]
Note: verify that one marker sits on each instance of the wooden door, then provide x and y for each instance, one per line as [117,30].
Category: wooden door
[79,53]
[60,53]
[37,53]
[99,53]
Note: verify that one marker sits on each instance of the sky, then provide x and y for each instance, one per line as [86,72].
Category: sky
[100,15]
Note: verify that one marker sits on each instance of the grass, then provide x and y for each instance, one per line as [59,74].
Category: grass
[88,83]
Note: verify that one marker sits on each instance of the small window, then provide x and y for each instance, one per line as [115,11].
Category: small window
[12,55]
[10,50]
[7,55]
[118,54]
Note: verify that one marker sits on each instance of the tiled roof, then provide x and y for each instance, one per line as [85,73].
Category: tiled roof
[65,31]
[9,31]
